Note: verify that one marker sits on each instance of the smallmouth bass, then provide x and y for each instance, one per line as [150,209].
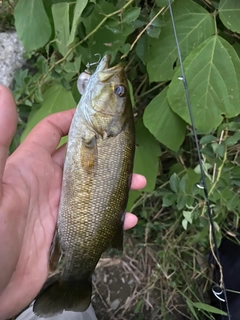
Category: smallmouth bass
[96,181]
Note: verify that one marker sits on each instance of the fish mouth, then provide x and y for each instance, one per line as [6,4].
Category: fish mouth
[104,72]
[104,63]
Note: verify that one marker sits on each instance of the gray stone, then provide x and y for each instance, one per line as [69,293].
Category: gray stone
[11,56]
[115,304]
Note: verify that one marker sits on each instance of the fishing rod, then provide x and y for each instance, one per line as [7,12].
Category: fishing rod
[221,289]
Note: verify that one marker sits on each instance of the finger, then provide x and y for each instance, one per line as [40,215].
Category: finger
[59,155]
[8,123]
[48,133]
[138,181]
[130,221]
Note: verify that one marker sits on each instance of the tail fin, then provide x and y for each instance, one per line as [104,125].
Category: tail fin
[63,295]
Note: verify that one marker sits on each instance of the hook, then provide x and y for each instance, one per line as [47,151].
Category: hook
[84,76]
[217,291]
[94,63]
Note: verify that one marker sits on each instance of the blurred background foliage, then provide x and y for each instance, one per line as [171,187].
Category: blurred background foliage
[60,37]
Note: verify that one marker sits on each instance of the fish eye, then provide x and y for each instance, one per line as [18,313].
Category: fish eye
[120,91]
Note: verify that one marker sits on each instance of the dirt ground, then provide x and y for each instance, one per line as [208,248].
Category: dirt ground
[127,288]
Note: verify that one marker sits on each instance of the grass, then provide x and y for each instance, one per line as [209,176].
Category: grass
[168,268]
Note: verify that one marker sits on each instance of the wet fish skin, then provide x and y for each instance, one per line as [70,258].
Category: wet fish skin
[96,181]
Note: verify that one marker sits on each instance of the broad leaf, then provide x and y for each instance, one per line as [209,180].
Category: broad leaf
[133,196]
[35,30]
[107,39]
[79,7]
[229,12]
[162,3]
[174,183]
[72,68]
[212,71]
[141,48]
[60,12]
[145,161]
[146,156]
[194,25]
[131,15]
[56,99]
[166,126]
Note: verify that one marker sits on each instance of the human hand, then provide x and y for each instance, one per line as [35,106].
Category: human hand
[30,182]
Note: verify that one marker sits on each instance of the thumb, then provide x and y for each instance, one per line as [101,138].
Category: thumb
[8,123]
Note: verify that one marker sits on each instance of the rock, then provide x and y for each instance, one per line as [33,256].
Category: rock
[11,56]
[115,304]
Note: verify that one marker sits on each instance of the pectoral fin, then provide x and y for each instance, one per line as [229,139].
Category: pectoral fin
[89,155]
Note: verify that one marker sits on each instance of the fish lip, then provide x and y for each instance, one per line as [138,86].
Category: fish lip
[104,63]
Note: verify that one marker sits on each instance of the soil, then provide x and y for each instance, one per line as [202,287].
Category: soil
[126,288]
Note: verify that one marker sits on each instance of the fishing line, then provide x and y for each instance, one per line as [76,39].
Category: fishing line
[202,184]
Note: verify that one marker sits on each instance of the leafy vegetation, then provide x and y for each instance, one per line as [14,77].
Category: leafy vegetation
[61,37]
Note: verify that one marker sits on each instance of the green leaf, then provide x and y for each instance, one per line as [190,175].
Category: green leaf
[158,20]
[166,126]
[207,139]
[71,68]
[146,155]
[163,3]
[88,9]
[193,178]
[183,183]
[174,183]
[56,99]
[233,202]
[60,12]
[220,150]
[236,47]
[188,216]
[212,71]
[169,199]
[194,25]
[141,48]
[231,141]
[190,306]
[184,200]
[79,7]
[206,307]
[131,15]
[229,13]
[235,172]
[131,93]
[184,224]
[153,32]
[106,39]
[133,196]
[32,24]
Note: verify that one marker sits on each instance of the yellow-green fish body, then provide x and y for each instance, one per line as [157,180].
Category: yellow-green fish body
[96,181]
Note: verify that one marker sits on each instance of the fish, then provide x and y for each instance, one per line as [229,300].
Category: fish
[95,186]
